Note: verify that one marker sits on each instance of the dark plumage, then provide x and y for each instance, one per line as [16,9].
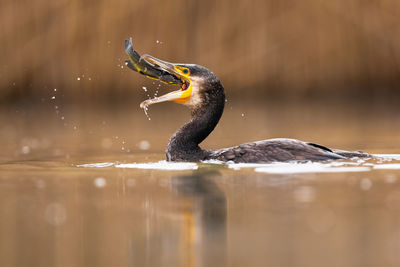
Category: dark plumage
[184,144]
[204,94]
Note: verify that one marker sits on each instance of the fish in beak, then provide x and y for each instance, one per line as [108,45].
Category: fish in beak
[169,73]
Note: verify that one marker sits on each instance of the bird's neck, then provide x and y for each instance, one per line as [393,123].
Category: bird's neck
[184,144]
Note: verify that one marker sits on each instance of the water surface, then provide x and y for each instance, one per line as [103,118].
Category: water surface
[93,189]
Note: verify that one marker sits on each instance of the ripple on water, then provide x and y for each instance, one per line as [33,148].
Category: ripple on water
[96,165]
[308,168]
[391,166]
[352,165]
[388,156]
[160,165]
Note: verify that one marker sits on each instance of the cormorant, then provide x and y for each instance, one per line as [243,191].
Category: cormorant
[202,92]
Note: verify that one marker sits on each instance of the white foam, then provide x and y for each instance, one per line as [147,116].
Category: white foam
[213,161]
[295,167]
[393,166]
[388,156]
[287,168]
[273,168]
[97,165]
[161,165]
[238,166]
[317,167]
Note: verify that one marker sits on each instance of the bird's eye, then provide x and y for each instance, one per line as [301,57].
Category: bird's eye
[185,71]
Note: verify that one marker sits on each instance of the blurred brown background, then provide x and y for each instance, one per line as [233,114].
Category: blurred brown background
[279,49]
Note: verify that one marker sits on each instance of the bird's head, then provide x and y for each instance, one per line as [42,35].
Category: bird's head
[198,85]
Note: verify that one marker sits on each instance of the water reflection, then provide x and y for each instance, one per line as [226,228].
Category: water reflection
[205,218]
[186,228]
[149,213]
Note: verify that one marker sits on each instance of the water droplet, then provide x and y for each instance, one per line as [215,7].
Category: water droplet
[145,109]
[26,150]
[55,89]
[304,194]
[100,182]
[390,178]
[55,214]
[144,145]
[53,97]
[144,88]
[365,184]
[79,78]
[242,114]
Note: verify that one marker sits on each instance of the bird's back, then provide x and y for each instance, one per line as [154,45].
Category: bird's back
[280,150]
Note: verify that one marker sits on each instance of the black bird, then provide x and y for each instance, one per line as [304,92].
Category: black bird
[202,92]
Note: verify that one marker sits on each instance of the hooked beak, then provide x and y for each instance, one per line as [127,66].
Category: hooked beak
[180,96]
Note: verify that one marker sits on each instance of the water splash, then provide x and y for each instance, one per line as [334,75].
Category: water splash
[352,165]
[146,109]
[392,166]
[161,165]
[288,168]
[96,165]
